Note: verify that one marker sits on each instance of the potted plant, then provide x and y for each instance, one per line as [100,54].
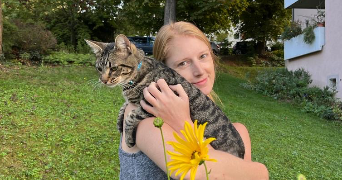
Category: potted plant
[320,18]
[309,34]
[291,31]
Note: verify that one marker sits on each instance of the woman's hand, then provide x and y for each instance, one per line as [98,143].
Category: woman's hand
[173,109]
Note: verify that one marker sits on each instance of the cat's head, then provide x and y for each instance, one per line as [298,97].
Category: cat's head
[116,62]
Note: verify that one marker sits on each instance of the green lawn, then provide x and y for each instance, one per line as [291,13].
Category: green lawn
[58,123]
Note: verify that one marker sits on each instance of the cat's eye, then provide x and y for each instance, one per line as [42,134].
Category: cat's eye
[99,69]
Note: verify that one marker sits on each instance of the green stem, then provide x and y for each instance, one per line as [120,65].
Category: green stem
[167,170]
[206,170]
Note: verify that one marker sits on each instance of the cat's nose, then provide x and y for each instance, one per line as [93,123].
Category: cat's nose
[104,81]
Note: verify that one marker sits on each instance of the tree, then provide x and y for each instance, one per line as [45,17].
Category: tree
[170,11]
[208,15]
[141,17]
[73,20]
[146,16]
[261,20]
[1,28]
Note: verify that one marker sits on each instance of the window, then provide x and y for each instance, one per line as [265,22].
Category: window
[333,82]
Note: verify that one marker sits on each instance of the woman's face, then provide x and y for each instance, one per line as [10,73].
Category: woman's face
[191,58]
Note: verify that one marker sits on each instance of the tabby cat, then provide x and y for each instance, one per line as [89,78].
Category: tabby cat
[121,63]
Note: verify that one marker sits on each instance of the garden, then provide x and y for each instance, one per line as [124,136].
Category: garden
[58,122]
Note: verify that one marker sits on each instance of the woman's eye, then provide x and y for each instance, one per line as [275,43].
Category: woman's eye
[182,64]
[204,56]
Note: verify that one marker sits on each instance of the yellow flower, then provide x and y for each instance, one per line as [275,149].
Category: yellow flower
[192,151]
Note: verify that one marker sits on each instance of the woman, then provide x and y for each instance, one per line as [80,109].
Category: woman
[184,48]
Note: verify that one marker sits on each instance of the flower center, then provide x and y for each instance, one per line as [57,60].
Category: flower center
[193,155]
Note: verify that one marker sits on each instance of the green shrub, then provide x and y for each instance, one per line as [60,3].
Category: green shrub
[291,31]
[252,60]
[2,57]
[277,46]
[309,35]
[281,83]
[69,58]
[275,60]
[32,38]
[279,53]
[294,86]
[10,32]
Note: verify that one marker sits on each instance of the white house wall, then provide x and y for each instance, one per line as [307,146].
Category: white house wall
[326,65]
[302,15]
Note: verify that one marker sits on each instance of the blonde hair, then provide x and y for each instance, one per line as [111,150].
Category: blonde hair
[169,31]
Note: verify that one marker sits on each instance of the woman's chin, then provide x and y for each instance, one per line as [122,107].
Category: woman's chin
[205,90]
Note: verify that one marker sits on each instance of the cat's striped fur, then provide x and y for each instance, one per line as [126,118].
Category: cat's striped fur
[122,64]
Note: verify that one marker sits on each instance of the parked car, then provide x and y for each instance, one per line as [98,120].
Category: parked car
[215,47]
[144,43]
[243,47]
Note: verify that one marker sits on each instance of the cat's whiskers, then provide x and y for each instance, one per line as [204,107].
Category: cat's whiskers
[95,83]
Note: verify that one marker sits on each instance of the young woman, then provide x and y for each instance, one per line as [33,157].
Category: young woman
[184,48]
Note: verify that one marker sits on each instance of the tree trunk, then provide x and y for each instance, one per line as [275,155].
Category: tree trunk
[72,26]
[170,11]
[1,28]
[261,47]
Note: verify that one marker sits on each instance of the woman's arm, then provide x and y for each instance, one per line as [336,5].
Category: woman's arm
[174,110]
[149,141]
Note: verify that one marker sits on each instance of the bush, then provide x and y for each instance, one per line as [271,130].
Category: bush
[277,46]
[291,31]
[279,53]
[281,83]
[294,86]
[32,39]
[69,58]
[309,35]
[9,37]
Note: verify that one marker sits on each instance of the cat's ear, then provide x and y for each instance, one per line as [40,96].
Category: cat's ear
[123,44]
[97,47]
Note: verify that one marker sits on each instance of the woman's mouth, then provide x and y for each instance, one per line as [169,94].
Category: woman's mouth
[201,82]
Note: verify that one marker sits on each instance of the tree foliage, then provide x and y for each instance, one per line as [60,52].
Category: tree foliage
[147,16]
[141,17]
[1,29]
[210,16]
[71,21]
[264,20]
[261,20]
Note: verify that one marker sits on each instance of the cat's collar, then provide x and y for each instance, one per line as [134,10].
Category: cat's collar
[139,65]
[130,85]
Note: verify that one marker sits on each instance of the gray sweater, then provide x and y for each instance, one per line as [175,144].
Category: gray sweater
[137,166]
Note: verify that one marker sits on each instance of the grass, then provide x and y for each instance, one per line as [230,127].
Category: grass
[56,123]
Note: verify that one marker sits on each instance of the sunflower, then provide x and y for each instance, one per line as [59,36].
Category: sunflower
[191,151]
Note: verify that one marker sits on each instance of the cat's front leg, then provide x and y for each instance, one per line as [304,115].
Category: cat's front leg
[131,124]
[121,117]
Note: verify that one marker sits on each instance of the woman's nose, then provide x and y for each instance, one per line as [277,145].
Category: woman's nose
[197,68]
